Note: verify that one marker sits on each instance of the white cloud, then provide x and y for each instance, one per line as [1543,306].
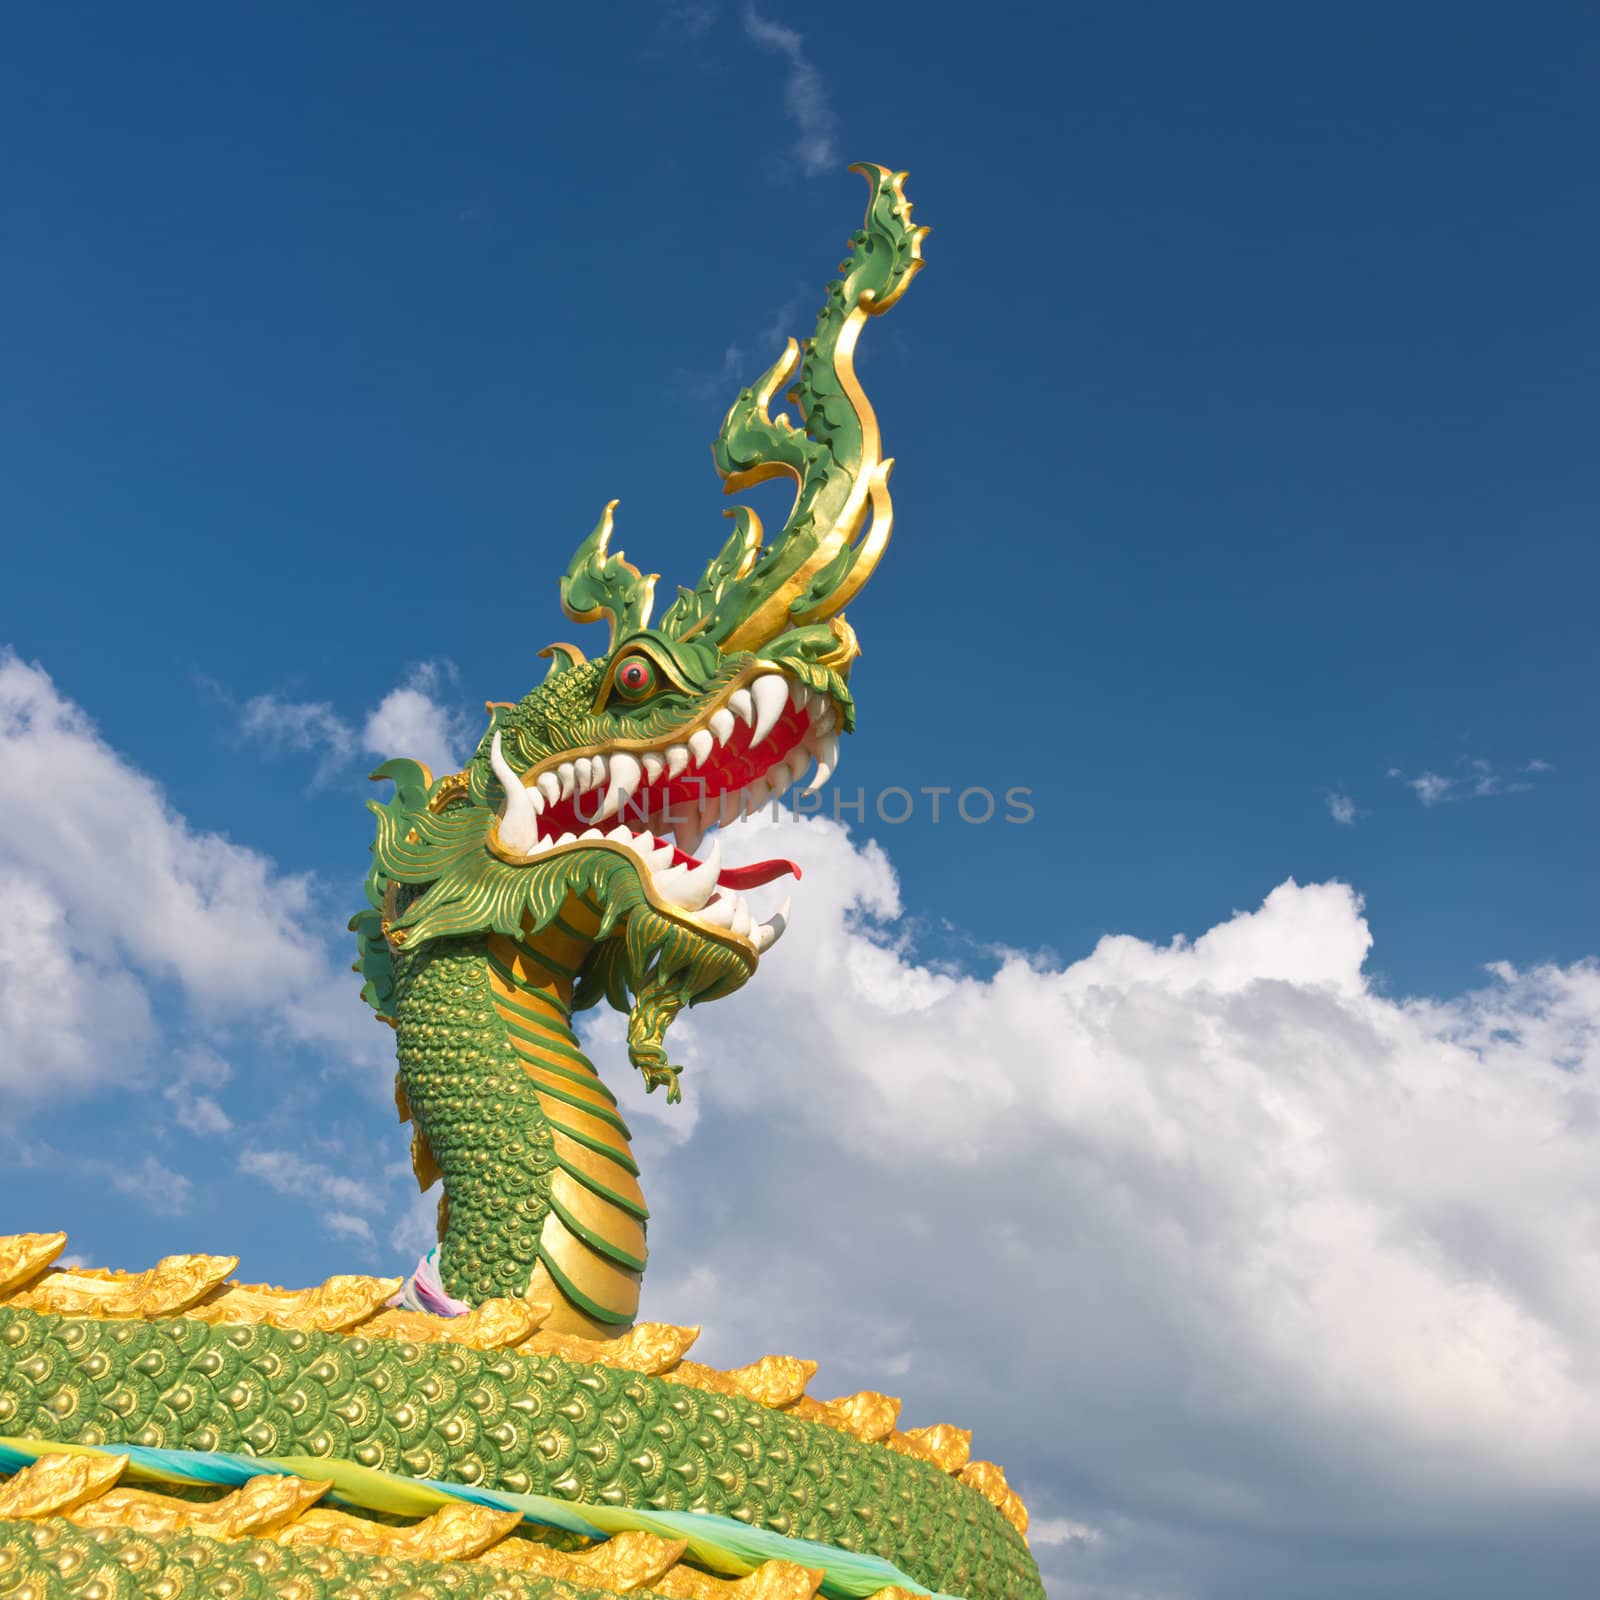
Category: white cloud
[416,1231]
[346,1225]
[805,96]
[64,1023]
[290,1173]
[1474,779]
[112,888]
[1342,808]
[413,721]
[157,1188]
[298,725]
[1210,1235]
[192,1109]
[1061,1530]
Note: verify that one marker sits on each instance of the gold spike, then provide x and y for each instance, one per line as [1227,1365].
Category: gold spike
[423,1164]
[772,1580]
[402,1105]
[57,1484]
[631,1560]
[946,1447]
[500,1324]
[334,1306]
[138,1509]
[774,1381]
[174,1284]
[453,1533]
[990,1482]
[650,1347]
[868,1415]
[23,1256]
[260,1508]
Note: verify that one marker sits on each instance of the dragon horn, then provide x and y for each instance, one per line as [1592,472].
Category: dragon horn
[822,557]
[598,583]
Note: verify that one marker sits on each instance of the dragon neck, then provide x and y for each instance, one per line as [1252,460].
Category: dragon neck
[541,1192]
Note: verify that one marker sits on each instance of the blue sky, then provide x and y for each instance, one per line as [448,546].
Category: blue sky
[1245,513]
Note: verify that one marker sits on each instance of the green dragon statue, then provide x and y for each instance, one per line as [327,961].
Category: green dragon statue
[568,863]
[497,1424]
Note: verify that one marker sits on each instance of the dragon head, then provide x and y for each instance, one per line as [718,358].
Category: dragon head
[608,781]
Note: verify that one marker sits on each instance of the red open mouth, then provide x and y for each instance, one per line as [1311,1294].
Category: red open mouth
[661,802]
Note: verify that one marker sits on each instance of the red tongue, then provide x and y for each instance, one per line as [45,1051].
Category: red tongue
[756,874]
[751,877]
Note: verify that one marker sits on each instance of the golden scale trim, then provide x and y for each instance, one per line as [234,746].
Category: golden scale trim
[83,1489]
[201,1288]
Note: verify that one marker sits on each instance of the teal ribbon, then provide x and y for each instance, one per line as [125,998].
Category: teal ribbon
[723,1544]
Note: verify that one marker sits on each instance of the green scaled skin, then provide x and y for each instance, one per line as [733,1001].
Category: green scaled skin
[485,928]
[534,1425]
[55,1557]
[495,908]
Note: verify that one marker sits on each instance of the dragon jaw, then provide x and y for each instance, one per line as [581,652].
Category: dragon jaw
[657,799]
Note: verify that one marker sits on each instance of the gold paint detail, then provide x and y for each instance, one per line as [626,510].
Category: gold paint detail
[632,1560]
[870,1416]
[174,1284]
[652,1348]
[56,1485]
[575,657]
[452,1533]
[339,1305]
[947,1447]
[848,648]
[772,1580]
[501,1324]
[990,1482]
[457,786]
[773,1381]
[613,1288]
[424,1165]
[23,1256]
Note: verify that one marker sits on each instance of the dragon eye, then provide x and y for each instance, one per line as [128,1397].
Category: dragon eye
[635,678]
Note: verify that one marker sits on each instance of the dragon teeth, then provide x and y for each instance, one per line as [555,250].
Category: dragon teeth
[625,775]
[770,694]
[654,765]
[677,759]
[699,883]
[743,707]
[827,761]
[549,787]
[720,912]
[768,933]
[722,724]
[566,776]
[797,695]
[688,833]
[701,744]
